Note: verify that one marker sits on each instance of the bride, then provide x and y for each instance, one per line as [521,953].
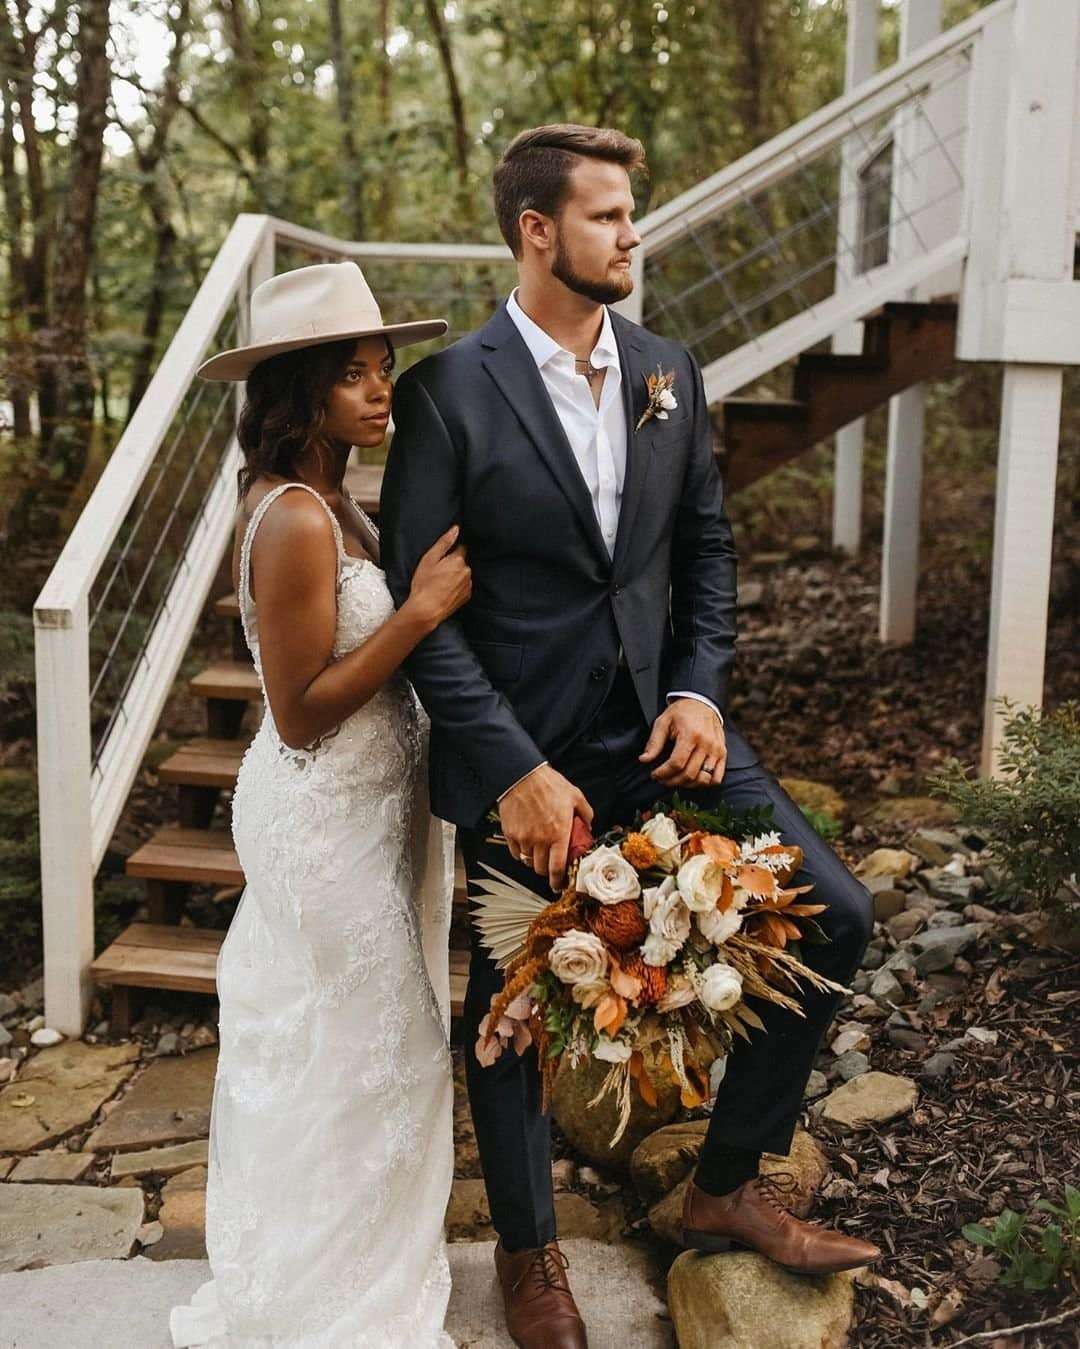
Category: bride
[331,1153]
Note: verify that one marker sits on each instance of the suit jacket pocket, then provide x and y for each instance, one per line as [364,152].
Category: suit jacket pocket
[501,660]
[662,431]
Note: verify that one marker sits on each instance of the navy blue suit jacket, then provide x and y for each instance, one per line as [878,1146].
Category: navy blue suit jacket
[516,675]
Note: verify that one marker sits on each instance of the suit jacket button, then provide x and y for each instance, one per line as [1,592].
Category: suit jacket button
[616,590]
[598,674]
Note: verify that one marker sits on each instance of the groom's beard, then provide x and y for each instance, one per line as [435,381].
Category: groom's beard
[608,291]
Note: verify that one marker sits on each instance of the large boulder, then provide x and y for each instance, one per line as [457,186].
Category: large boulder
[589,1129]
[805,1163]
[726,1301]
[666,1157]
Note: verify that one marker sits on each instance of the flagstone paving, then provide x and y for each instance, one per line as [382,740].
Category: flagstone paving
[60,1224]
[169,1103]
[53,1166]
[125,1304]
[168,1161]
[59,1090]
[183,1217]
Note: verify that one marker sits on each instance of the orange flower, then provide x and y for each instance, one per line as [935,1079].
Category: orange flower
[720,849]
[640,852]
[653,979]
[610,1014]
[621,926]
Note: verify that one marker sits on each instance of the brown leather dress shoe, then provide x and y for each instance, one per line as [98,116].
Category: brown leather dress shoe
[754,1218]
[540,1308]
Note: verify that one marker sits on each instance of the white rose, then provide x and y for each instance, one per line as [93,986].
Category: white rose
[663,833]
[720,987]
[659,950]
[669,922]
[612,1051]
[668,401]
[606,875]
[578,957]
[680,993]
[717,926]
[701,881]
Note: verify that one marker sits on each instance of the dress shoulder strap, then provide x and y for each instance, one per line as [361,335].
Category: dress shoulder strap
[246,602]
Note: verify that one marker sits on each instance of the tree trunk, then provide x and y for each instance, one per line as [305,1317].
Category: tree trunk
[19,365]
[158,206]
[387,178]
[18,54]
[457,104]
[341,56]
[68,443]
[249,74]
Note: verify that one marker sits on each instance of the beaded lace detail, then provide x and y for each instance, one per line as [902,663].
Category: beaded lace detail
[331,1140]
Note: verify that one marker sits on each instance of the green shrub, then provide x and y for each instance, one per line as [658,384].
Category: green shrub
[20,877]
[1031,815]
[822,822]
[1036,1256]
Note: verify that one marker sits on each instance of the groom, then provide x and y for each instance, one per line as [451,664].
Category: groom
[589,673]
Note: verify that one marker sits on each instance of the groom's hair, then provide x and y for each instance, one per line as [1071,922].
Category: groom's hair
[534,171]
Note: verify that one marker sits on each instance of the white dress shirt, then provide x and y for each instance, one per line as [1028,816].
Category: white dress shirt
[597,434]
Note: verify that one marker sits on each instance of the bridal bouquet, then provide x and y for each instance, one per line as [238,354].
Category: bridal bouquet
[662,931]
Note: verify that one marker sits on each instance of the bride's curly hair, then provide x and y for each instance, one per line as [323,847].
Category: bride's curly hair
[285,407]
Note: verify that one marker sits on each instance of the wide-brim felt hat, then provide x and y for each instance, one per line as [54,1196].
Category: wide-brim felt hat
[327,302]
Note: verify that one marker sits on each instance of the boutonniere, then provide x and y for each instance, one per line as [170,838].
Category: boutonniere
[661,399]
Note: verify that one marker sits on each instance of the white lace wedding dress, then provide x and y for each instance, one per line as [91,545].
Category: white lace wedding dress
[331,1148]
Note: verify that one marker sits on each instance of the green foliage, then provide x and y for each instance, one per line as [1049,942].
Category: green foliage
[1037,1256]
[1031,815]
[722,818]
[822,822]
[16,674]
[20,880]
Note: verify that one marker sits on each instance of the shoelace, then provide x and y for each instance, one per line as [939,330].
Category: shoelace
[776,1187]
[545,1268]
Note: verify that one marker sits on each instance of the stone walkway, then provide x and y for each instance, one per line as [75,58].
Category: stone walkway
[112,1304]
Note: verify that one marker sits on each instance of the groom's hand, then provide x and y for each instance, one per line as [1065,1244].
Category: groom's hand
[699,748]
[537,816]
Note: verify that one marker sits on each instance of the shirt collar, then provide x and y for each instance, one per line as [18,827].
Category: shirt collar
[542,346]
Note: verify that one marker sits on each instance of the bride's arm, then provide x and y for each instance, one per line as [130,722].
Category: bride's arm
[294,579]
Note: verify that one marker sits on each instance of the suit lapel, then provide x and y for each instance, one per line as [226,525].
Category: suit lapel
[509,363]
[634,366]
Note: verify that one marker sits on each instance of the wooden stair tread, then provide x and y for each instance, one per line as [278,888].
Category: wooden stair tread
[207,857]
[150,955]
[205,763]
[198,856]
[227,606]
[848,363]
[228,679]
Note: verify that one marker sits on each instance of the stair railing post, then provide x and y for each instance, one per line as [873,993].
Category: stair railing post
[1034,314]
[62,675]
[860,64]
[920,22]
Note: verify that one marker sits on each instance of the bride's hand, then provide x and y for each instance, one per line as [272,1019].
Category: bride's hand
[442,582]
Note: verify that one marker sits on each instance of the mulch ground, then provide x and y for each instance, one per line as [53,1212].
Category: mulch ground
[1001,1133]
